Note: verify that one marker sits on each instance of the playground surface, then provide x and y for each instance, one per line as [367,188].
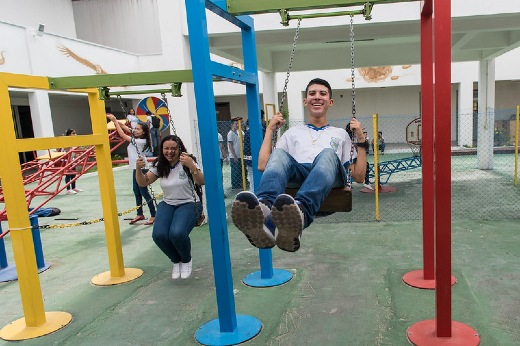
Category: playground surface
[346,290]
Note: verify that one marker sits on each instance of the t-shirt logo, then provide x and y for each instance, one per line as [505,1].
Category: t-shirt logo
[334,143]
[182,174]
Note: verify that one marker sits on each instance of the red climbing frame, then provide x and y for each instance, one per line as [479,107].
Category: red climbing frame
[48,174]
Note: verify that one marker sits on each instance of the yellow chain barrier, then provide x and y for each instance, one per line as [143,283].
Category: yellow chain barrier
[84,223]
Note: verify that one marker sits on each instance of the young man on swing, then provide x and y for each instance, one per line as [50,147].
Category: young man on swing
[314,157]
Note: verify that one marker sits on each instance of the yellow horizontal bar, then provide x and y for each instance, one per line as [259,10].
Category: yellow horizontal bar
[24,81]
[31,144]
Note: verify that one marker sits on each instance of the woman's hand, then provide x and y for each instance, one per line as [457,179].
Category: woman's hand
[187,161]
[112,117]
[140,163]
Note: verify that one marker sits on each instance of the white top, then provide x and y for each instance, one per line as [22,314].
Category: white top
[133,119]
[298,142]
[132,152]
[176,186]
[221,140]
[234,138]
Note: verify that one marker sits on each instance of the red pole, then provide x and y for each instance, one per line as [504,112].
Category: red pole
[442,123]
[427,143]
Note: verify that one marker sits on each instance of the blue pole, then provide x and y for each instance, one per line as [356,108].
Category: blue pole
[3,255]
[37,241]
[207,120]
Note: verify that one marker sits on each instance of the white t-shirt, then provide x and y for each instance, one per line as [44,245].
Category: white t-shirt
[133,119]
[298,142]
[220,140]
[234,138]
[132,152]
[176,186]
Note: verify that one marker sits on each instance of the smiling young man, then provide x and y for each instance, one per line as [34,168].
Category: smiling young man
[313,157]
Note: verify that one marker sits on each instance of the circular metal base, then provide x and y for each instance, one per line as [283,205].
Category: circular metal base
[105,279]
[424,333]
[9,272]
[416,279]
[17,330]
[382,189]
[210,334]
[279,277]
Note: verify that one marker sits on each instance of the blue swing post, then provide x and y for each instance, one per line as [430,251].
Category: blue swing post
[228,329]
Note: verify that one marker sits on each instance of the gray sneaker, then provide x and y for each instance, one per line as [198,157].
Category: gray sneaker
[289,219]
[252,218]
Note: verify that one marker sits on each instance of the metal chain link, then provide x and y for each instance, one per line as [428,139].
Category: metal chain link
[352,68]
[284,92]
[83,223]
[172,126]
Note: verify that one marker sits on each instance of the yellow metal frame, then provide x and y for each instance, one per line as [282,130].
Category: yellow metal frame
[375,119]
[36,321]
[267,106]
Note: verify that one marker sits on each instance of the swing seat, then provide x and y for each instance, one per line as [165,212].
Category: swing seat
[339,200]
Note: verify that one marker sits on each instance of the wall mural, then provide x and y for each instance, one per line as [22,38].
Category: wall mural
[2,59]
[378,74]
[71,54]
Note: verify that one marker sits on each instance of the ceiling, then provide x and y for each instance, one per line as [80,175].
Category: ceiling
[474,38]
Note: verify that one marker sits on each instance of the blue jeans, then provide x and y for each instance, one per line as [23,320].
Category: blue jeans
[236,173]
[315,179]
[156,139]
[68,178]
[140,193]
[172,227]
[381,147]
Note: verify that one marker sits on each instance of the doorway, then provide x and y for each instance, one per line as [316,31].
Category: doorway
[23,128]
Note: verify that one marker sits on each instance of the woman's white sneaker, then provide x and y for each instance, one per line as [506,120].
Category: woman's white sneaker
[176,273]
[186,270]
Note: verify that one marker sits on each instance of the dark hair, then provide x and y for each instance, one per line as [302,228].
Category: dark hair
[163,165]
[381,132]
[69,131]
[146,135]
[148,113]
[320,82]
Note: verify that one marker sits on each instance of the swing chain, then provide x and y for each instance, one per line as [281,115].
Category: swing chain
[172,126]
[121,104]
[284,92]
[352,75]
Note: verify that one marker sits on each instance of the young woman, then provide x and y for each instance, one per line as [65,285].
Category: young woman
[139,142]
[133,120]
[71,189]
[181,207]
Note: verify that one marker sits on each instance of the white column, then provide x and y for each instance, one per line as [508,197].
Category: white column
[486,115]
[465,111]
[176,55]
[269,91]
[41,115]
[295,105]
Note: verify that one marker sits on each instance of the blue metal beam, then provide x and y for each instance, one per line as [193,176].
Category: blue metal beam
[231,73]
[219,7]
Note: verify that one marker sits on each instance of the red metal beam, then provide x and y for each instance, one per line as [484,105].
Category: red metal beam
[442,30]
[426,8]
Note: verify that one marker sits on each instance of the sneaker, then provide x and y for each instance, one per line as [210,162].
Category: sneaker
[176,273]
[186,270]
[71,192]
[368,186]
[77,190]
[252,218]
[289,219]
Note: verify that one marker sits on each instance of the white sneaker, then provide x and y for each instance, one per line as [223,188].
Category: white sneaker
[186,270]
[176,273]
[77,190]
[71,192]
[368,186]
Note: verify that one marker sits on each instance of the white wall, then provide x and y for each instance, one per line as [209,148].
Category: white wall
[129,25]
[55,14]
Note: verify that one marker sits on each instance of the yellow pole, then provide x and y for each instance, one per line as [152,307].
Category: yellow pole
[16,206]
[36,322]
[516,146]
[117,274]
[376,160]
[242,154]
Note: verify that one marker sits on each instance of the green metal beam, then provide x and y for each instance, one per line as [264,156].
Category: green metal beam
[241,7]
[122,79]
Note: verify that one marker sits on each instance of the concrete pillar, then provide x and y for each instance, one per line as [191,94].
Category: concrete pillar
[269,92]
[176,55]
[486,115]
[465,111]
[41,115]
[295,105]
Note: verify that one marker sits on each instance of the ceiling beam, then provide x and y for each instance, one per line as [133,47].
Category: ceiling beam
[241,7]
